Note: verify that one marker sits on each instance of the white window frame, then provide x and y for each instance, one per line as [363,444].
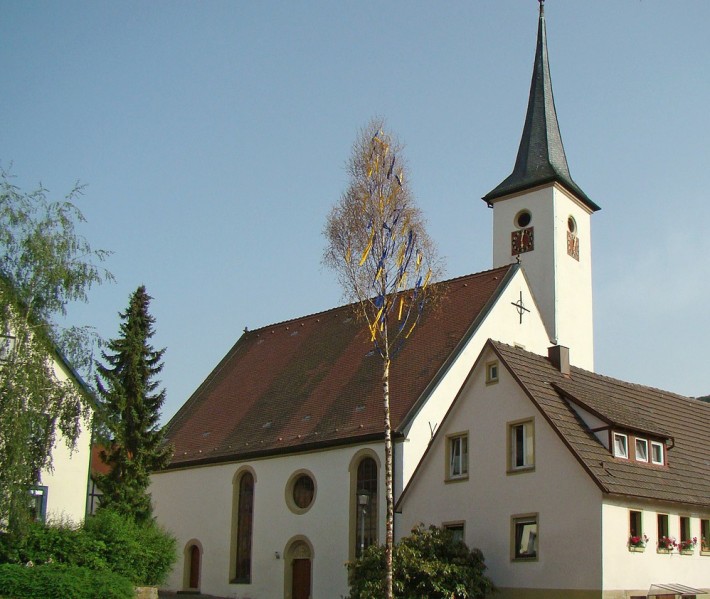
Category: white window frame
[527,428]
[657,445]
[457,457]
[7,347]
[643,443]
[625,438]
[492,372]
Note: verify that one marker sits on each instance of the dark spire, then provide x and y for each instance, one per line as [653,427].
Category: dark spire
[541,155]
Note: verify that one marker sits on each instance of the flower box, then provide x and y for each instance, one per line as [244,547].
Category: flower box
[687,547]
[637,544]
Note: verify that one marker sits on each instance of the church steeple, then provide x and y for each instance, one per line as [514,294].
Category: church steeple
[541,155]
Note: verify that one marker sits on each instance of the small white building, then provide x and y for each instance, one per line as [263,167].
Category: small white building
[277,477]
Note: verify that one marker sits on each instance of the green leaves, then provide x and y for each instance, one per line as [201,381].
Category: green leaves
[428,564]
[44,265]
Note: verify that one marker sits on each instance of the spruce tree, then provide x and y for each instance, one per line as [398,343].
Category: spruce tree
[129,412]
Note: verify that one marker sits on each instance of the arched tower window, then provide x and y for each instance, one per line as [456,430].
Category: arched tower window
[244,526]
[365,505]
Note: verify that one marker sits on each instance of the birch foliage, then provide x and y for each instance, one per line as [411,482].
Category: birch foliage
[45,265]
[385,262]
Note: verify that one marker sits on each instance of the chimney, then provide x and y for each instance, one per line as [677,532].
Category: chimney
[559,356]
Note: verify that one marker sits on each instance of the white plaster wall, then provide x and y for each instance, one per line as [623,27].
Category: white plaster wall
[68,479]
[567,501]
[626,570]
[503,324]
[561,284]
[196,503]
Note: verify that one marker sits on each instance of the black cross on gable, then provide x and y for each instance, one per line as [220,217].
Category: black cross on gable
[520,307]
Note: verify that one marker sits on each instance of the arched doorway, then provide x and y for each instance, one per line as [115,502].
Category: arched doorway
[299,569]
[193,565]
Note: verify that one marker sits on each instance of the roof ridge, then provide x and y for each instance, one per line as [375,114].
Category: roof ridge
[352,305]
[597,375]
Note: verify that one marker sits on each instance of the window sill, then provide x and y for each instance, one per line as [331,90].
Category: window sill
[522,560]
[456,479]
[520,470]
[634,549]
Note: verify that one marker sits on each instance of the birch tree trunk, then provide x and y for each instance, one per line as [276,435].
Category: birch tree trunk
[389,483]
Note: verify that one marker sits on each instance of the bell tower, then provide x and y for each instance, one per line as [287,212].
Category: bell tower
[541,218]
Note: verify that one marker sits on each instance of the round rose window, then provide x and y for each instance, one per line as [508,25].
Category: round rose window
[303,491]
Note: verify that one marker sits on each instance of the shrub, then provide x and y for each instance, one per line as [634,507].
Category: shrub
[428,564]
[58,580]
[61,542]
[144,553]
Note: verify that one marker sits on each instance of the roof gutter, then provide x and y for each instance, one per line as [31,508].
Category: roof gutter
[281,451]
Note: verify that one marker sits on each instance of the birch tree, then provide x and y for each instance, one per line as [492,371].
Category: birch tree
[385,261]
[45,265]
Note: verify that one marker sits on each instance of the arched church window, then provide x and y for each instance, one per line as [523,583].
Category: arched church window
[366,505]
[245,518]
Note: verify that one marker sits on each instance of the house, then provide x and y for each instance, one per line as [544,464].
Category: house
[60,491]
[96,467]
[277,475]
[569,466]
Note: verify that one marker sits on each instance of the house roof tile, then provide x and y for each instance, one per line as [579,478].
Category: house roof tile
[315,380]
[685,478]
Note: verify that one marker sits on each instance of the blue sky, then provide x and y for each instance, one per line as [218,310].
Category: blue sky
[213,136]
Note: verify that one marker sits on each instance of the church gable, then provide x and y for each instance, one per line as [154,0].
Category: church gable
[315,381]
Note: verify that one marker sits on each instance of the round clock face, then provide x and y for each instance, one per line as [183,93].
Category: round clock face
[522,241]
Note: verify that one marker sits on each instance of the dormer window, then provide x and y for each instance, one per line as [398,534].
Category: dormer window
[657,456]
[641,447]
[621,446]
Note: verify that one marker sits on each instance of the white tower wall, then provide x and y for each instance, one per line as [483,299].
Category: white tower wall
[562,285]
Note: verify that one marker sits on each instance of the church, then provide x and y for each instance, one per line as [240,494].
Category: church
[573,484]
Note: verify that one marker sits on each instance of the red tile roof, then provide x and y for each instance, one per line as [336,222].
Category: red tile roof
[683,420]
[314,381]
[97,464]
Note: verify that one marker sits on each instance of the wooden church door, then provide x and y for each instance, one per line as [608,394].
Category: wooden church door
[194,567]
[301,579]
